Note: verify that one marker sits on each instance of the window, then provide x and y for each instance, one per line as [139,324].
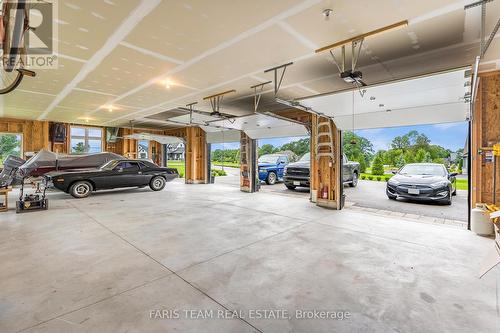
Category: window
[128,166]
[85,140]
[10,144]
[143,149]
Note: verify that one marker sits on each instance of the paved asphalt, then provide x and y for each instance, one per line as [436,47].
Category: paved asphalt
[371,194]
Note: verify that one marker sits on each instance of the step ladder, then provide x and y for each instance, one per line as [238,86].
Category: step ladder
[324,149]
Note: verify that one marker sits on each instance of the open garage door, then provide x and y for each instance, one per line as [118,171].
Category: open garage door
[258,126]
[438,98]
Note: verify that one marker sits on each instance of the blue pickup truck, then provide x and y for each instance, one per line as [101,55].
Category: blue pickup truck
[271,167]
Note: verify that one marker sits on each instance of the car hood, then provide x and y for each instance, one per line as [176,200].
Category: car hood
[418,179]
[300,164]
[267,165]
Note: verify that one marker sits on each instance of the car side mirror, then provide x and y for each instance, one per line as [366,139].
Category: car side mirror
[453,174]
[394,172]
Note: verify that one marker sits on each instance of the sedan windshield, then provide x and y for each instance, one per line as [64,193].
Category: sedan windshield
[268,159]
[423,169]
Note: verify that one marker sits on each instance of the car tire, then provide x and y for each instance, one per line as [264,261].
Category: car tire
[290,187]
[157,183]
[81,189]
[447,201]
[354,181]
[271,178]
[454,192]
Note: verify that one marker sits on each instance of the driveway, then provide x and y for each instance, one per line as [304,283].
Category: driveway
[371,194]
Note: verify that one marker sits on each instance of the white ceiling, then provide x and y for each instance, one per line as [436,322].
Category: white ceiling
[120,53]
[424,100]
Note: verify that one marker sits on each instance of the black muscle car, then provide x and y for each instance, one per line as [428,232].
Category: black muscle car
[113,174]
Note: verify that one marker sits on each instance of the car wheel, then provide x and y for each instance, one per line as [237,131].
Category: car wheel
[454,192]
[157,183]
[447,201]
[271,178]
[290,187]
[81,189]
[354,181]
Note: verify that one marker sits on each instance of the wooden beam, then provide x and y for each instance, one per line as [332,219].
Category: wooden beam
[219,94]
[363,36]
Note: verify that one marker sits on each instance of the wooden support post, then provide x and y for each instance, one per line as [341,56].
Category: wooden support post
[248,163]
[196,156]
[325,174]
[485,133]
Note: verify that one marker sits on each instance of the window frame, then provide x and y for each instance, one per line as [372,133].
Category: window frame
[86,138]
[21,148]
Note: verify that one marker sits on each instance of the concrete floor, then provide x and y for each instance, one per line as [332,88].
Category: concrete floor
[102,264]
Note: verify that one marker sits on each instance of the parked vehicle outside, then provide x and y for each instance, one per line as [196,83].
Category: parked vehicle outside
[271,167]
[298,174]
[114,174]
[423,181]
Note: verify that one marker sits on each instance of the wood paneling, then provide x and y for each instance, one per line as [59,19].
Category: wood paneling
[485,133]
[35,133]
[196,156]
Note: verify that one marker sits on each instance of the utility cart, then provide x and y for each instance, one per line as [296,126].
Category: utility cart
[34,201]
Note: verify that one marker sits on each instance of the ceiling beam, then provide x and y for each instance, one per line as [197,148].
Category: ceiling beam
[363,36]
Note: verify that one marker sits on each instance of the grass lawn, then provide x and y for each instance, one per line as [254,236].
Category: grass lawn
[462,184]
[227,164]
[179,165]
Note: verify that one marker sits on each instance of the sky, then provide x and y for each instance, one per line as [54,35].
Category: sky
[450,135]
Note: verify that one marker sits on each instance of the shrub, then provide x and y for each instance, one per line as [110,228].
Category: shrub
[370,177]
[386,178]
[379,178]
[216,173]
[363,177]
[378,166]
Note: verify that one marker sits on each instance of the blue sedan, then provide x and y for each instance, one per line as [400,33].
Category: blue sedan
[271,167]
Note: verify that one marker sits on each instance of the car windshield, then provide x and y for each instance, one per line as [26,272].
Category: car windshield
[423,169]
[268,159]
[109,165]
[306,157]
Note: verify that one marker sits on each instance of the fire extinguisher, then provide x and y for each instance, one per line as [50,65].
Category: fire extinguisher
[324,192]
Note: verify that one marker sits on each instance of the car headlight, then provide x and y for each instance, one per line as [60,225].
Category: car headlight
[440,184]
[285,170]
[393,182]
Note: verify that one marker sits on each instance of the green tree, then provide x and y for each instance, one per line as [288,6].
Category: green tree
[299,147]
[401,142]
[400,161]
[266,149]
[420,155]
[378,165]
[362,164]
[361,150]
[79,148]
[427,158]
[9,145]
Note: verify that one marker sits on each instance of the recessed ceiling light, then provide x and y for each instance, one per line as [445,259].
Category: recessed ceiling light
[381,105]
[388,110]
[372,98]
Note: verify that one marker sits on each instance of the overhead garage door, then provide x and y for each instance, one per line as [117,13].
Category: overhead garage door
[438,98]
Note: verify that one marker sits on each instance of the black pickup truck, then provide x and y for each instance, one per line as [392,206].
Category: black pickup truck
[297,174]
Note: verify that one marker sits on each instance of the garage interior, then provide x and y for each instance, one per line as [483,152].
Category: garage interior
[202,73]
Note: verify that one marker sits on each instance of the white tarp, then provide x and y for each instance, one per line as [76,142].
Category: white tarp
[163,139]
[438,98]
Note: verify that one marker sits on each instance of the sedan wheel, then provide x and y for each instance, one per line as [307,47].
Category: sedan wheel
[81,189]
[157,183]
[271,178]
